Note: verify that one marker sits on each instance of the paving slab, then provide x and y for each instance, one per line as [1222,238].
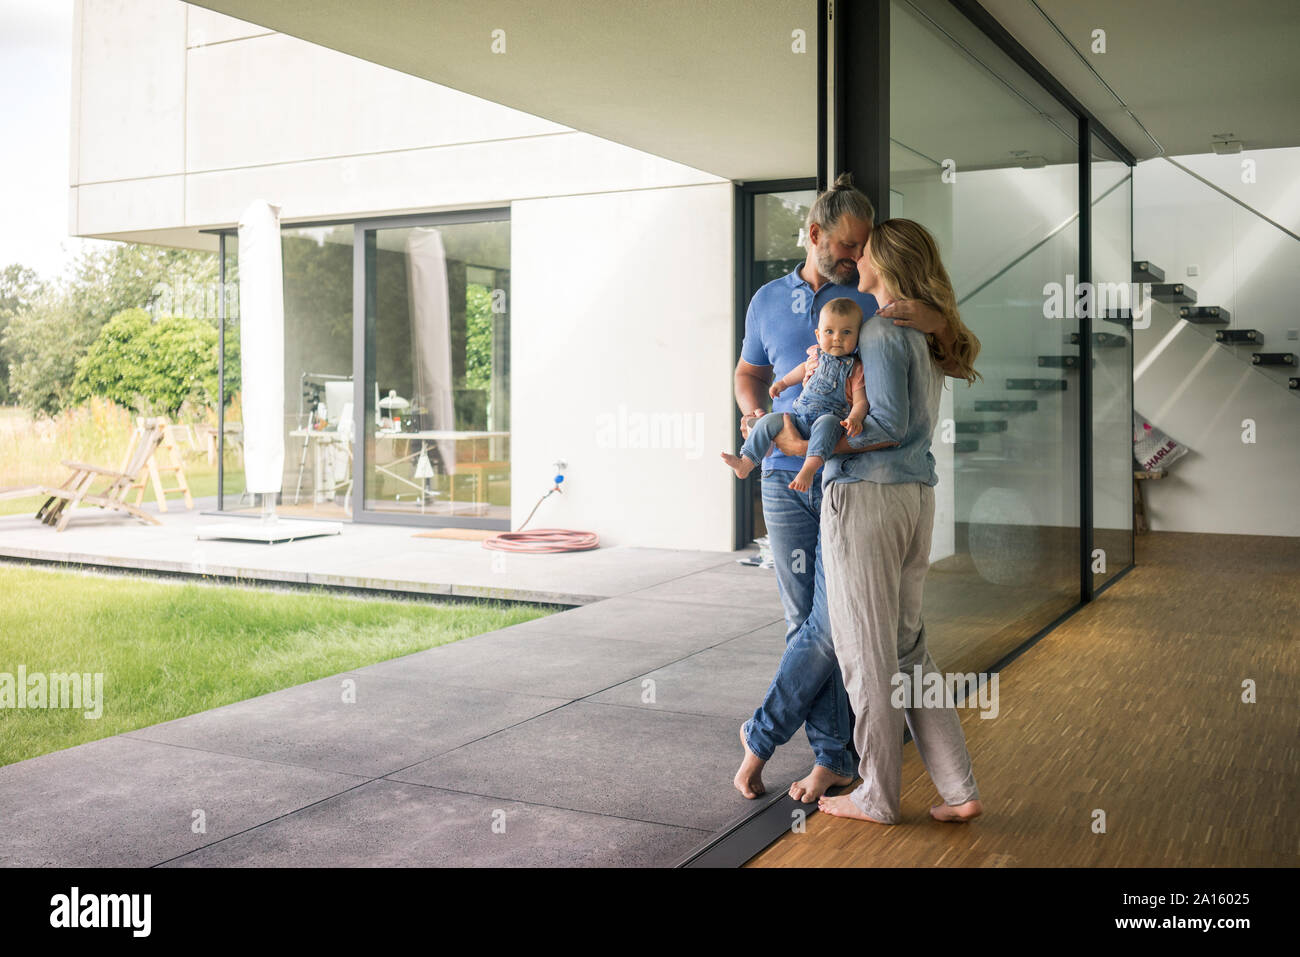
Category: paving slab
[129,802]
[758,588]
[534,663]
[640,763]
[691,685]
[768,638]
[393,723]
[685,626]
[386,823]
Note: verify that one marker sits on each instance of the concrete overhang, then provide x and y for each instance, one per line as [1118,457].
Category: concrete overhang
[729,86]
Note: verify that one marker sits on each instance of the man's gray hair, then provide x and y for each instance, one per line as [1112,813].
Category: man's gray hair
[843,197]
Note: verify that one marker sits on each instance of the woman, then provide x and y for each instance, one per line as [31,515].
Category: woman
[876,523]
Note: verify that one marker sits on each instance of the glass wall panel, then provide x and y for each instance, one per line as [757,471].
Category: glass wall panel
[777,251]
[318,384]
[987,160]
[232,476]
[437,383]
[1112,371]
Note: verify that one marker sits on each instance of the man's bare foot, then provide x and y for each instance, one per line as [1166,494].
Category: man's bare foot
[957,812]
[843,806]
[749,779]
[739,464]
[817,783]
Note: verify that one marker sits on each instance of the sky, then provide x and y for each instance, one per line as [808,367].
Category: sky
[35,124]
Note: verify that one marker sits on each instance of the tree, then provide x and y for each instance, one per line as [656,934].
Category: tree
[53,327]
[19,286]
[152,367]
[43,344]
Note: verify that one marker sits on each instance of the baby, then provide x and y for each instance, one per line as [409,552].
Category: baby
[833,401]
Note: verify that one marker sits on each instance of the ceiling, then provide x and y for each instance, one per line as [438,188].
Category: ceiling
[717,84]
[1185,69]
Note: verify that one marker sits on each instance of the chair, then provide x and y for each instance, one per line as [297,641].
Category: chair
[155,465]
[63,501]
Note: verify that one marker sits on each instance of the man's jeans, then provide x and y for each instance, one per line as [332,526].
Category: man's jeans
[808,688]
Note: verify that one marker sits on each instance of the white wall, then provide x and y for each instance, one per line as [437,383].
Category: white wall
[622,329]
[183,116]
[1201,392]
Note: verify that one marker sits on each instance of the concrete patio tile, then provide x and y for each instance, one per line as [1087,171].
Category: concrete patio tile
[393,723]
[126,802]
[695,685]
[390,824]
[631,762]
[374,556]
[686,626]
[767,639]
[712,587]
[535,663]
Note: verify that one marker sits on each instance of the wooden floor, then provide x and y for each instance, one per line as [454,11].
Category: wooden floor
[1132,707]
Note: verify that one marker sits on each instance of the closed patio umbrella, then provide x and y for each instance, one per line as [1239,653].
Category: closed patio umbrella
[261,345]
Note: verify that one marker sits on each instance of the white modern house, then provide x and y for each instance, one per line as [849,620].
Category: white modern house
[610,265]
[476,291]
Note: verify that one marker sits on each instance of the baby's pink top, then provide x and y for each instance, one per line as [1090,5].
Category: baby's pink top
[855,377]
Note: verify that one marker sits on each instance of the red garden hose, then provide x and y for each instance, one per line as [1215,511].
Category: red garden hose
[543,539]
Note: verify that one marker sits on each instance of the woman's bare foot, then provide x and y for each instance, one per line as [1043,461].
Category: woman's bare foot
[843,806]
[957,812]
[749,779]
[817,783]
[739,464]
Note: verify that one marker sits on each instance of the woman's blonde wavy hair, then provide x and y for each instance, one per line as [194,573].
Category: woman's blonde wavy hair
[906,257]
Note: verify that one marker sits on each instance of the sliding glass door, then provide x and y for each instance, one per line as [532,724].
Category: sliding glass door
[435,395]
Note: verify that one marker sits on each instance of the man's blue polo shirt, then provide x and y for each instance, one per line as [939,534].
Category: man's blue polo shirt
[780,325]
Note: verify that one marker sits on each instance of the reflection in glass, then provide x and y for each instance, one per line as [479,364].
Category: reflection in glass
[1112,372]
[437,383]
[987,161]
[317,417]
[778,250]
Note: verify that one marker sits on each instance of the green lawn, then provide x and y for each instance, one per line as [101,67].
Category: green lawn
[168,650]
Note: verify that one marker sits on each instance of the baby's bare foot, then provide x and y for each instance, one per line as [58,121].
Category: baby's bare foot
[741,465]
[817,783]
[803,480]
[957,812]
[749,779]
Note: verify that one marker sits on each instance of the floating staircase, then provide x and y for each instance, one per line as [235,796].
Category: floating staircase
[1184,298]
[1144,271]
[1172,292]
[1105,340]
[983,426]
[1273,358]
[1061,362]
[1203,315]
[1036,385]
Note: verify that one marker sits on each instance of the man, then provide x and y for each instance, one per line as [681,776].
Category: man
[780,325]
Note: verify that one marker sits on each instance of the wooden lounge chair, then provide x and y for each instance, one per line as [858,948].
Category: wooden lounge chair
[168,450]
[63,501]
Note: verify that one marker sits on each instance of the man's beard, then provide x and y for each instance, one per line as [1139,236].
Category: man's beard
[834,271]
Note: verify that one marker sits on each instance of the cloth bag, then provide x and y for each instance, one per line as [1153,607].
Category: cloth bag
[1153,449]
